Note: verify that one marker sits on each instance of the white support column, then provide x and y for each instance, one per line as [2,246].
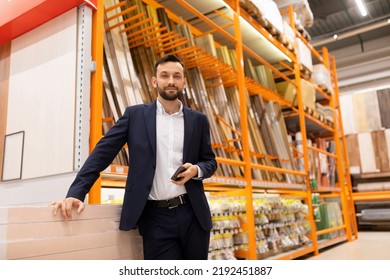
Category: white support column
[83,85]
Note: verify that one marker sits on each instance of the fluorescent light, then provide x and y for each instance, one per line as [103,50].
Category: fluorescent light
[250,26]
[362,7]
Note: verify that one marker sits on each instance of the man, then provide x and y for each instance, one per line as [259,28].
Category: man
[172,216]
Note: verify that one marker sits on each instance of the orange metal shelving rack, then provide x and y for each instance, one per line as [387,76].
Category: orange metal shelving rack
[247,183]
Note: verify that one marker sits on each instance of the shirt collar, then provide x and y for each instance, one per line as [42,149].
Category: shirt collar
[161,110]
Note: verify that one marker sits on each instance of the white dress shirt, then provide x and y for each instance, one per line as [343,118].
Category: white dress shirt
[169,149]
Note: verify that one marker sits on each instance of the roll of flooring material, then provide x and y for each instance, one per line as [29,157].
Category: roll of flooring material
[370,187]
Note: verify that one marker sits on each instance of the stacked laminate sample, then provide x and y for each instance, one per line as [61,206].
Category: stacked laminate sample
[32,232]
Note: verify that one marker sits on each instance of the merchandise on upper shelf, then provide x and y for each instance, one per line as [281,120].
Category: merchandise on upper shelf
[289,92]
[302,13]
[321,76]
[280,225]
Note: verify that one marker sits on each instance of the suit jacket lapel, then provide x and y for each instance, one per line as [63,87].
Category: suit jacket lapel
[150,120]
[188,131]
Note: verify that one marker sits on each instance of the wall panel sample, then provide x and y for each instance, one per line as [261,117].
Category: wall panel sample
[387,137]
[353,153]
[359,112]
[41,98]
[384,105]
[347,114]
[380,149]
[372,111]
[367,155]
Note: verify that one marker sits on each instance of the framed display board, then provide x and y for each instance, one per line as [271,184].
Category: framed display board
[13,156]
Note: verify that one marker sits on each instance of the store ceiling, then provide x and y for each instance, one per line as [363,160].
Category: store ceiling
[342,17]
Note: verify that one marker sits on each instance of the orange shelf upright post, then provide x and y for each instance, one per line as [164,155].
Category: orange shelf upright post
[94,196]
[344,177]
[302,125]
[244,133]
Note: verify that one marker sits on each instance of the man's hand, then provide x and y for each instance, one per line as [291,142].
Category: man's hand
[190,172]
[66,207]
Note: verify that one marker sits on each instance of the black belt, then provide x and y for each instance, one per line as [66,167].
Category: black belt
[170,203]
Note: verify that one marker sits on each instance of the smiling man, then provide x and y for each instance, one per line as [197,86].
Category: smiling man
[172,215]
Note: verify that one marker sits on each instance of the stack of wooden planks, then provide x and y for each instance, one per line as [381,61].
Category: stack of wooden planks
[137,34]
[33,233]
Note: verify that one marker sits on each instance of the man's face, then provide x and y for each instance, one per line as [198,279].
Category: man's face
[170,80]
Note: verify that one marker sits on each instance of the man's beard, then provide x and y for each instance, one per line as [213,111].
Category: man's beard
[163,93]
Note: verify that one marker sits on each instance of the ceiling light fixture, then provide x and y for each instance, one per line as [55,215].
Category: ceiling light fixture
[362,7]
[335,36]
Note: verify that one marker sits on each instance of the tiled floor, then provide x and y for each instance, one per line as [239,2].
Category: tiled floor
[370,245]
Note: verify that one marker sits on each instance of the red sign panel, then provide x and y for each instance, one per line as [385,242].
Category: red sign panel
[19,16]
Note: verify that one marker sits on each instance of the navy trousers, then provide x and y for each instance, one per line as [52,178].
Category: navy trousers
[173,234]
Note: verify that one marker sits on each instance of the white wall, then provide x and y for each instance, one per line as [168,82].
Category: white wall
[43,89]
[41,98]
[38,191]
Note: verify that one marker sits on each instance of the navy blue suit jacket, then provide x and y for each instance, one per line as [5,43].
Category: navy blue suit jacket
[137,128]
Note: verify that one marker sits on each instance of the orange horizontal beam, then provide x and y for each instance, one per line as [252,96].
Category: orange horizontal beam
[322,151]
[145,32]
[135,25]
[108,119]
[230,161]
[227,124]
[128,10]
[295,254]
[277,169]
[120,4]
[334,195]
[374,195]
[324,231]
[133,18]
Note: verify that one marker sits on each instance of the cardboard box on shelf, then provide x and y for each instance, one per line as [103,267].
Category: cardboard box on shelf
[289,92]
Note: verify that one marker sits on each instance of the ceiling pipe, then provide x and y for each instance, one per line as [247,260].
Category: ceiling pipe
[349,34]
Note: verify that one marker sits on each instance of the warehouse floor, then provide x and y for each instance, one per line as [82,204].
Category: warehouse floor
[370,245]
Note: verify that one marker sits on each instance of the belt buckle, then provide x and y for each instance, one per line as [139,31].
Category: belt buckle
[172,206]
[180,197]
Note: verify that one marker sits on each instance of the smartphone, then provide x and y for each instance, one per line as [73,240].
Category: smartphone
[177,172]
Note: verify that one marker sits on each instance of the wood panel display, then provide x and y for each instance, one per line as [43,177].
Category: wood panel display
[353,153]
[380,150]
[347,110]
[367,155]
[33,233]
[360,112]
[372,115]
[384,105]
[365,112]
[369,152]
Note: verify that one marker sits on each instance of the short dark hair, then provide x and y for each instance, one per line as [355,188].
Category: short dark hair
[167,58]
